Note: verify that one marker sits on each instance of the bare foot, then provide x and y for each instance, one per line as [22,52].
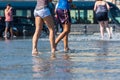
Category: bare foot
[56,47]
[53,51]
[110,37]
[35,53]
[66,50]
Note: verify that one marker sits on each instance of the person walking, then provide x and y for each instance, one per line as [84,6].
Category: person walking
[42,15]
[59,27]
[101,9]
[63,14]
[8,20]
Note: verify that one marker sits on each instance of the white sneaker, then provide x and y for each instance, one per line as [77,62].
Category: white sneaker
[5,36]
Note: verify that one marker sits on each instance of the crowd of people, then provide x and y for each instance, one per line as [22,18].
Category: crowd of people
[43,15]
[62,12]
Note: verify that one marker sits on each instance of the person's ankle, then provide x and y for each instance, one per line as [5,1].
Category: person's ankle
[55,46]
[53,50]
[110,37]
[34,52]
[5,36]
[66,49]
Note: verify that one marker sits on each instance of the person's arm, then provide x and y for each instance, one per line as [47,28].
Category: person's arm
[95,7]
[108,7]
[69,0]
[7,11]
[56,7]
[55,10]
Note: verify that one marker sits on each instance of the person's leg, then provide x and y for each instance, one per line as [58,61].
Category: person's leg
[64,34]
[38,24]
[49,22]
[65,39]
[101,29]
[11,29]
[11,32]
[6,29]
[108,29]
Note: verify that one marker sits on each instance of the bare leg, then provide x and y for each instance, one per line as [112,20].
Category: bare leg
[49,22]
[11,32]
[38,24]
[101,29]
[6,30]
[111,30]
[108,29]
[65,39]
[64,36]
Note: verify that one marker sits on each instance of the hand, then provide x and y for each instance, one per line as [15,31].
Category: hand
[11,8]
[56,16]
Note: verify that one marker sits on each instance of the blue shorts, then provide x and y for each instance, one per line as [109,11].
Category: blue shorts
[9,24]
[44,12]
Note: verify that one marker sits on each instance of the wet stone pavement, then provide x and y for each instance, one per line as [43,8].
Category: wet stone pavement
[90,59]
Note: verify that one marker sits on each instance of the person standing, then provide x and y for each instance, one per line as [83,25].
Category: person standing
[63,14]
[42,15]
[8,20]
[101,9]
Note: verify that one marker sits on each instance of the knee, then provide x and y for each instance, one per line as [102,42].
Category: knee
[66,31]
[69,31]
[107,26]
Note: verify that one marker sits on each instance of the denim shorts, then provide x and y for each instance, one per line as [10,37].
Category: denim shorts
[9,24]
[44,12]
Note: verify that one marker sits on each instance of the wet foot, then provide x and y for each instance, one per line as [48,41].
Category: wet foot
[110,37]
[35,53]
[66,50]
[56,47]
[102,38]
[53,51]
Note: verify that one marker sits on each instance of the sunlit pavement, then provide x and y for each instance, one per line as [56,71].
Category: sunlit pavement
[90,58]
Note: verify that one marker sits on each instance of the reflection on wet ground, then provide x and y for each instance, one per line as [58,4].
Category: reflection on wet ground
[90,59]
